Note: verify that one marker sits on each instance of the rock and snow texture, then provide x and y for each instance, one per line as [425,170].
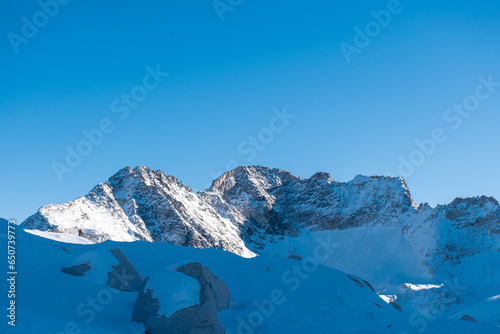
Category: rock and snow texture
[272,202]
[142,204]
[172,291]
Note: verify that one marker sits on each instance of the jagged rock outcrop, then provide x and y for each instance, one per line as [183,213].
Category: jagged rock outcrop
[78,269]
[200,318]
[213,291]
[468,318]
[124,276]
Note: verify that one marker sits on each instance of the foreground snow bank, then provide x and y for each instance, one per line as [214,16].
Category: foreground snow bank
[62,237]
[268,294]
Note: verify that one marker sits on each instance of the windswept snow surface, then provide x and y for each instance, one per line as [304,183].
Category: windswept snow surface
[268,294]
[63,237]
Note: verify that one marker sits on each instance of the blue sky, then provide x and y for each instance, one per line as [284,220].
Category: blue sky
[228,79]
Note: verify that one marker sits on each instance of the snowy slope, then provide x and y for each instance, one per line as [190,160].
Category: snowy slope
[487,311]
[308,298]
[397,264]
[63,237]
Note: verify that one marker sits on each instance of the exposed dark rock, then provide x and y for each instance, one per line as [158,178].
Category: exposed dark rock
[369,285]
[146,306]
[356,281]
[124,276]
[468,318]
[63,248]
[396,306]
[78,270]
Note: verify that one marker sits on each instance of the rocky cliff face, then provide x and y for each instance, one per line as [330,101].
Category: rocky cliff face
[270,203]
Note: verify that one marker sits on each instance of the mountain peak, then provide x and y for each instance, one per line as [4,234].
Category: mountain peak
[256,175]
[322,176]
[476,200]
[143,175]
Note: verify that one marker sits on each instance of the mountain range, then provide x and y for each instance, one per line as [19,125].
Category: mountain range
[431,260]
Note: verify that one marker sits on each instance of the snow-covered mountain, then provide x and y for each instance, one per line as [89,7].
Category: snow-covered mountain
[256,204]
[249,207]
[433,260]
[142,204]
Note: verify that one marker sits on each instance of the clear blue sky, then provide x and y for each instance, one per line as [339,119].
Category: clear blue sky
[225,79]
